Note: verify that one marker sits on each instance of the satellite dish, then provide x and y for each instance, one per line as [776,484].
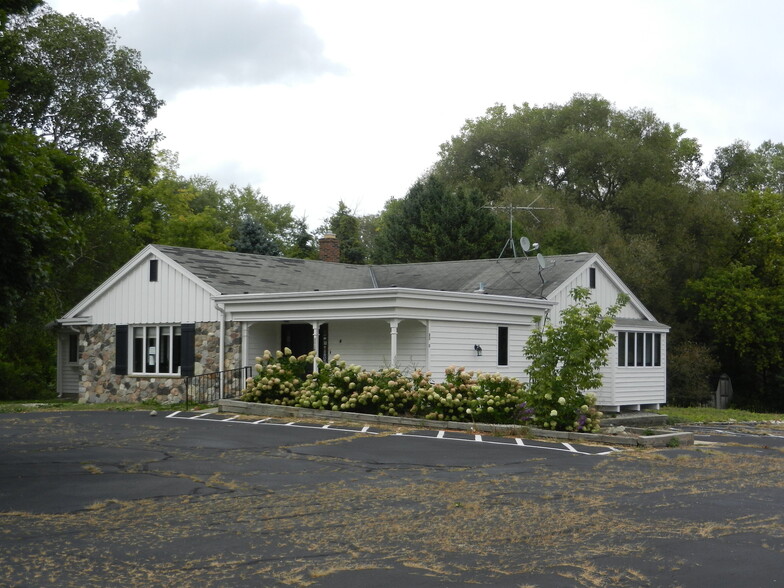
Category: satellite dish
[525,244]
[542,262]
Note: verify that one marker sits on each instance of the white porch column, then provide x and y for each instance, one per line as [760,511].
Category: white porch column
[315,326]
[244,355]
[393,324]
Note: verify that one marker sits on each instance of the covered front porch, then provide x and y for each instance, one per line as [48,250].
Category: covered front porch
[389,327]
[371,343]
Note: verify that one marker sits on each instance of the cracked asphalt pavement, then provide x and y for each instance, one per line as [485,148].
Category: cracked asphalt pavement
[125,498]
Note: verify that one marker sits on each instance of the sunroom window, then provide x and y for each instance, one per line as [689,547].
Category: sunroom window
[639,349]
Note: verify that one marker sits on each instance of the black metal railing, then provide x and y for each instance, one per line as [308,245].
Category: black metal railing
[209,388]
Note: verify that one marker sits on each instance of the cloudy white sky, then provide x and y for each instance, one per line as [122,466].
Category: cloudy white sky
[314,101]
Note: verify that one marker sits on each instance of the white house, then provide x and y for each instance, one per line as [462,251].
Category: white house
[172,312]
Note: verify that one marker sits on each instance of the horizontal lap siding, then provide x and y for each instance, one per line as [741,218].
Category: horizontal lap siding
[640,385]
[411,346]
[262,337]
[452,344]
[364,343]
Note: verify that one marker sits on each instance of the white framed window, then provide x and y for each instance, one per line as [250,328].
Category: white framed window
[156,349]
[639,349]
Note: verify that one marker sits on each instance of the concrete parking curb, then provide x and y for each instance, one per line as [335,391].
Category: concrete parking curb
[630,437]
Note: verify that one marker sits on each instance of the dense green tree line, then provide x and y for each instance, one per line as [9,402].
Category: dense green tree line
[84,185]
[700,244]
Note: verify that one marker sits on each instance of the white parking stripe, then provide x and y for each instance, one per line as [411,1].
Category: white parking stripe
[566,447]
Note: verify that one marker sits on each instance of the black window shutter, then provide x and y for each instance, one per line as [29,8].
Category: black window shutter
[188,349]
[121,350]
[503,345]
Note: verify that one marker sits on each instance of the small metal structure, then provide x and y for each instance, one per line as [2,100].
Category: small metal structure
[510,242]
[723,393]
[214,386]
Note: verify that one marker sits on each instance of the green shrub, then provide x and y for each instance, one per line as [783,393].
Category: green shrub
[472,396]
[689,370]
[283,379]
[565,364]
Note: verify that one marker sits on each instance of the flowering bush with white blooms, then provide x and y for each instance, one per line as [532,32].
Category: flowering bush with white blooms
[565,363]
[283,379]
[472,396]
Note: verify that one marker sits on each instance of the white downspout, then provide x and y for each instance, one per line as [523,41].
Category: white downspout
[222,350]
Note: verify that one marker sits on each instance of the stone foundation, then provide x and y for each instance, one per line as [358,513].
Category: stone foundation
[97,358]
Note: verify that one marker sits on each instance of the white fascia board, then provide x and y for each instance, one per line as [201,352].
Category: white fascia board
[614,278]
[640,325]
[565,283]
[124,270]
[71,322]
[381,303]
[77,320]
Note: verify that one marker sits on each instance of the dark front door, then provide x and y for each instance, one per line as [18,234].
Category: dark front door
[298,337]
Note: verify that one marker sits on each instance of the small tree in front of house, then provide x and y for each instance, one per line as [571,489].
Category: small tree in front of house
[565,363]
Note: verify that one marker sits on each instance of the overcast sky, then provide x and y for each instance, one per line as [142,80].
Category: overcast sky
[314,101]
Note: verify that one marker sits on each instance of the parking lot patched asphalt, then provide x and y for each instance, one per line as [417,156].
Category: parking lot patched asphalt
[122,497]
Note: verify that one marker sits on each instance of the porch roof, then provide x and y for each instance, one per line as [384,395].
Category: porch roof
[382,303]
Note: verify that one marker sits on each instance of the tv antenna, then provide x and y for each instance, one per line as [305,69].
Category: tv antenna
[525,244]
[543,265]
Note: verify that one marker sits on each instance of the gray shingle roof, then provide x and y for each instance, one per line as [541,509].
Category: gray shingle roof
[241,273]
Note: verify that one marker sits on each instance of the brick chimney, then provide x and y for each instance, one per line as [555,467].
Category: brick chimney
[329,248]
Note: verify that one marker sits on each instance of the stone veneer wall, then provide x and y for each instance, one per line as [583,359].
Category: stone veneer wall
[98,383]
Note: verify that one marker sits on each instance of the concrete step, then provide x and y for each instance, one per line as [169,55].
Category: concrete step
[634,419]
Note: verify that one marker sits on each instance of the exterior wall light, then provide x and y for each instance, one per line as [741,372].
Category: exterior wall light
[478,349]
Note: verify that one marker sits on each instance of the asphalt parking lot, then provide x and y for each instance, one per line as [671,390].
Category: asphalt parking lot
[187,499]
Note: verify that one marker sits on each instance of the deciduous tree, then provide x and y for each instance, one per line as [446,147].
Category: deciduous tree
[70,83]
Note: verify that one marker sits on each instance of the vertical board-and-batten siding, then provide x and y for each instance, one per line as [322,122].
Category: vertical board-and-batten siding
[605,293]
[135,300]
